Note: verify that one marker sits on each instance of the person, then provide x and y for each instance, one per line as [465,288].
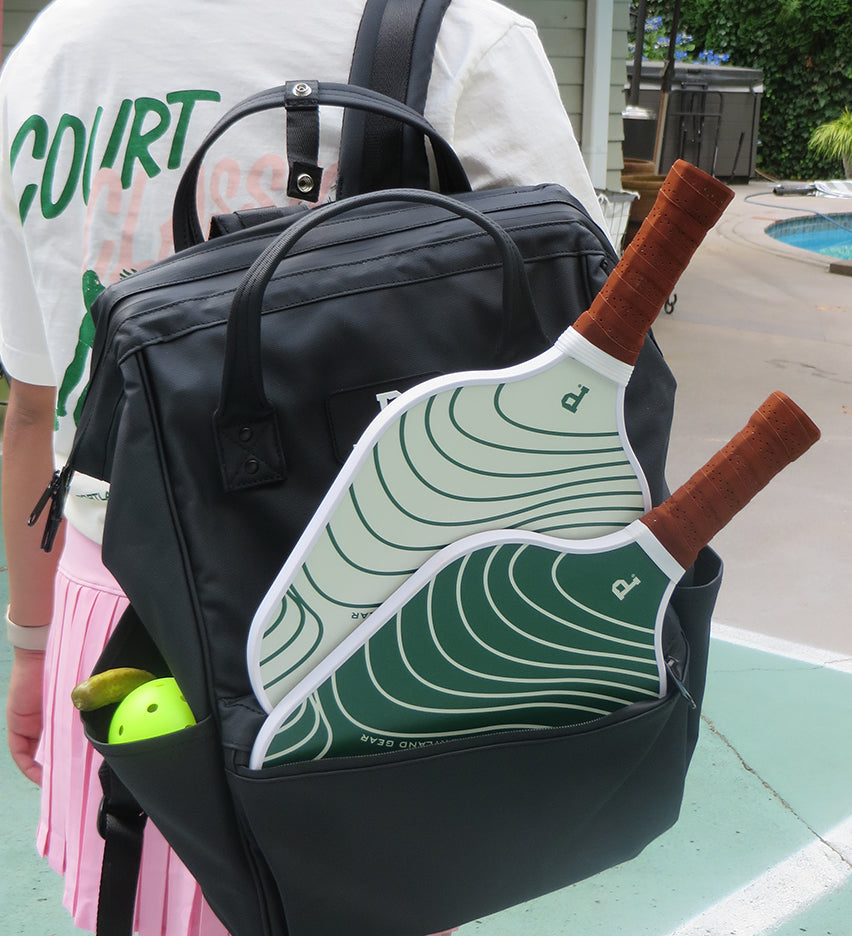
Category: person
[102,104]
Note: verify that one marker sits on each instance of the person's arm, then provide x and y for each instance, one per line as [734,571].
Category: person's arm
[510,126]
[27,469]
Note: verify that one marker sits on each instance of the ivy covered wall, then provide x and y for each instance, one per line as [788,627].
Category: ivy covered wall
[804,48]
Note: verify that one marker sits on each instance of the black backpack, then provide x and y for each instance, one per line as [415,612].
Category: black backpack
[214,421]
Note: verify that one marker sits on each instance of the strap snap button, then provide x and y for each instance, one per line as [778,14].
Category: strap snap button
[305,182]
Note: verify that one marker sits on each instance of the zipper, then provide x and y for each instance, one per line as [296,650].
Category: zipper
[671,662]
[465,743]
[56,493]
[139,288]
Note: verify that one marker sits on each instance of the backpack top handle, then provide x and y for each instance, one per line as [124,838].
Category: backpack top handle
[299,96]
[247,438]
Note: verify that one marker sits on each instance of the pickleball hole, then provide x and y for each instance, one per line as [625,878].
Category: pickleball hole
[152,708]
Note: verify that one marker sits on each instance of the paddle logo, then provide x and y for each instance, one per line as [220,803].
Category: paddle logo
[351,409]
[572,401]
[621,587]
[384,399]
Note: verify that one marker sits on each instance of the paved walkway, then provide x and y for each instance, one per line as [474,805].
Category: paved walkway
[764,843]
[754,316]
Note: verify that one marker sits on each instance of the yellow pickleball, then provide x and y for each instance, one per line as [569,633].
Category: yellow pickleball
[155,708]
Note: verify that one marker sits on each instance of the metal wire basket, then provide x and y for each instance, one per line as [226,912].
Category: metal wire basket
[615,204]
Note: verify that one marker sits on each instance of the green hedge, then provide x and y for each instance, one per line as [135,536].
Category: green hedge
[804,48]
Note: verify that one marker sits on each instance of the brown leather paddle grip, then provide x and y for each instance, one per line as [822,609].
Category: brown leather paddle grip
[690,202]
[777,434]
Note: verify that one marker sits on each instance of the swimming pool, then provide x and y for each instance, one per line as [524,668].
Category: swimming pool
[825,234]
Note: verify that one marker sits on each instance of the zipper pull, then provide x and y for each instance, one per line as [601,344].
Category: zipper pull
[49,492]
[56,493]
[680,685]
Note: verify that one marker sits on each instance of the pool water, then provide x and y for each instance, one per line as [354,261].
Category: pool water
[818,234]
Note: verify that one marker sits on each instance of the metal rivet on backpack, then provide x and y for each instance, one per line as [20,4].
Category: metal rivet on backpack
[251,466]
[246,434]
[301,89]
[305,182]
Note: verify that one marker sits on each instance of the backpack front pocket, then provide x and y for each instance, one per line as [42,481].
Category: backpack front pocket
[419,840]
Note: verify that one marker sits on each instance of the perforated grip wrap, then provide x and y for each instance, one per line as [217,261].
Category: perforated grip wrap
[777,434]
[690,202]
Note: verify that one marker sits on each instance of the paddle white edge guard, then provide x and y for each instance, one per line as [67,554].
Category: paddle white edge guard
[570,346]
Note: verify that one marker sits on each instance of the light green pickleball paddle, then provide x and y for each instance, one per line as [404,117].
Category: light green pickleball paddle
[539,446]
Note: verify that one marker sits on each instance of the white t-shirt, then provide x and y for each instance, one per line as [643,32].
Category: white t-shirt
[104,101]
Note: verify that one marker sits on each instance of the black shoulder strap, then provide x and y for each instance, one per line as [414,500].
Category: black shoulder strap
[393,55]
[121,823]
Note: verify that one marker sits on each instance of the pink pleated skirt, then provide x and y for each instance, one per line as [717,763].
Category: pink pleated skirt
[88,604]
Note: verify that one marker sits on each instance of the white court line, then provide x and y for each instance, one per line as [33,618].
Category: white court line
[780,893]
[803,879]
[830,659]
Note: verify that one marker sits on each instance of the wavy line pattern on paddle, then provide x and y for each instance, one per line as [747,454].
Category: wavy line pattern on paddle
[542,452]
[504,638]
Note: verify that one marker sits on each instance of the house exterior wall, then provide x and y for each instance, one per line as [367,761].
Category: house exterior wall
[561,24]
[562,27]
[618,76]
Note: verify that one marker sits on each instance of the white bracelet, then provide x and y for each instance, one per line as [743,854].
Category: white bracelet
[26,638]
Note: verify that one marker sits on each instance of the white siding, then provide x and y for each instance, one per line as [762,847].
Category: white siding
[562,27]
[621,23]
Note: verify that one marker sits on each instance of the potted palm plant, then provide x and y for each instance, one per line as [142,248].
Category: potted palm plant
[834,140]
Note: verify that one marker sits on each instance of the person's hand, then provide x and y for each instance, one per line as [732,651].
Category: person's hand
[23,711]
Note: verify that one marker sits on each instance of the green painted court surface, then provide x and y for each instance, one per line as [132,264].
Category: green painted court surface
[764,843]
